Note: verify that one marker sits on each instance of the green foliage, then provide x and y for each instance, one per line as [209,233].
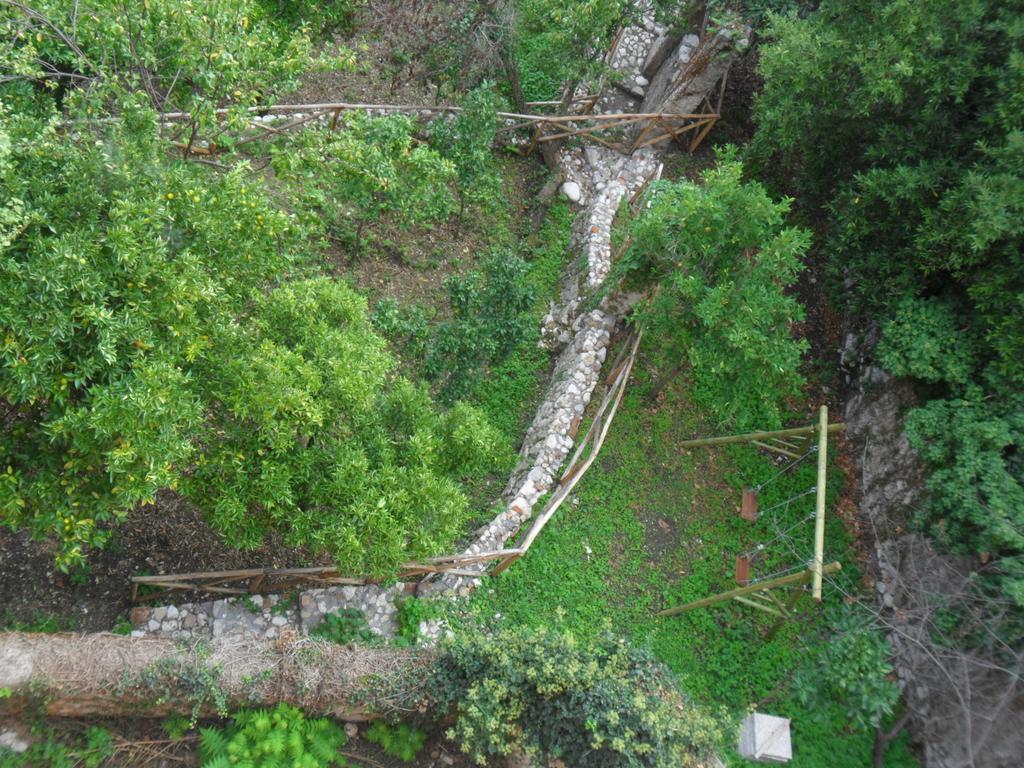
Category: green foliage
[922,340]
[106,301]
[175,726]
[466,141]
[189,55]
[42,622]
[401,741]
[918,162]
[973,447]
[722,257]
[600,703]
[512,387]
[122,627]
[169,679]
[411,611]
[348,178]
[48,750]
[322,19]
[489,317]
[344,626]
[553,42]
[140,351]
[849,668]
[282,736]
[316,442]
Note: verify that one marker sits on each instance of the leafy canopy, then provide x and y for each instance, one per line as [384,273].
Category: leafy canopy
[918,164]
[144,347]
[721,257]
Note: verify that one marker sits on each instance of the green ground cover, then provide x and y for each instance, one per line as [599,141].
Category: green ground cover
[652,525]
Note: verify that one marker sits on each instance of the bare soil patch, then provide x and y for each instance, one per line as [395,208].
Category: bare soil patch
[170,536]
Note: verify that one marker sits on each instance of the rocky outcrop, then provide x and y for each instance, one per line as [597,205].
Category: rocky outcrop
[966,702]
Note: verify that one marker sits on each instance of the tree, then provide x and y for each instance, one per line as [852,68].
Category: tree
[917,162]
[187,55]
[721,258]
[156,335]
[850,669]
[368,168]
[466,140]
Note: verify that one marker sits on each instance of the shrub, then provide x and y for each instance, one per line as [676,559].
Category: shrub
[922,340]
[544,692]
[850,669]
[344,626]
[270,738]
[401,741]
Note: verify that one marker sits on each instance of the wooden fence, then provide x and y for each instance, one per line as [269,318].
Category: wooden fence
[657,127]
[267,580]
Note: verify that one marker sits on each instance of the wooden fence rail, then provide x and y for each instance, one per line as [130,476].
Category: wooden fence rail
[658,127]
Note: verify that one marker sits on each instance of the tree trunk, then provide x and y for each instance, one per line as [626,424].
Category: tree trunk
[74,675]
[664,381]
[884,737]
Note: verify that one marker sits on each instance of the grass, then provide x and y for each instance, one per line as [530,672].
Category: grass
[652,526]
[510,390]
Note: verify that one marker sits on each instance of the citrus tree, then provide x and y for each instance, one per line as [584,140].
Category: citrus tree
[157,331]
[349,178]
[718,257]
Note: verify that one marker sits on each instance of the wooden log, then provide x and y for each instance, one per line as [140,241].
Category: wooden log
[74,675]
[748,437]
[782,581]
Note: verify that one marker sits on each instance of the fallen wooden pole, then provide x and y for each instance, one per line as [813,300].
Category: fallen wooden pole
[751,436]
[782,581]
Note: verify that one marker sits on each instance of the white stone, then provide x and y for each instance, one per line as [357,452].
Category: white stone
[765,738]
[154,625]
[572,191]
[642,81]
[12,740]
[172,612]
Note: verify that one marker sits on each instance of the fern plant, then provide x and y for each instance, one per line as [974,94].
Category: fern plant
[276,738]
[401,741]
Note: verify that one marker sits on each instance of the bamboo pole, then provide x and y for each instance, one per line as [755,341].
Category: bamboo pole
[819,507]
[775,448]
[751,436]
[782,581]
